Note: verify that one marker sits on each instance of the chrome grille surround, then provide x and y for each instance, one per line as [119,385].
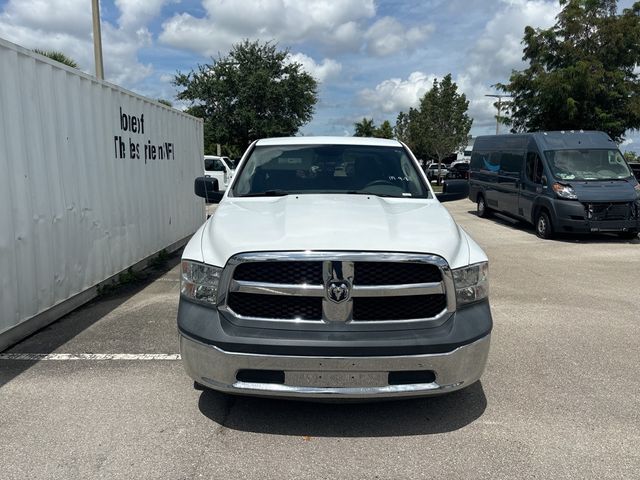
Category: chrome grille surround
[336,316]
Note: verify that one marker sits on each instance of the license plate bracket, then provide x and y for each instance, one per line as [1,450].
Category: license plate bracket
[333,379]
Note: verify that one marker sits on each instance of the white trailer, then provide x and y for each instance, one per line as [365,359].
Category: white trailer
[94,179]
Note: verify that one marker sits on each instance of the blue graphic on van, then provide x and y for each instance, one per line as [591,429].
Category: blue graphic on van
[489,166]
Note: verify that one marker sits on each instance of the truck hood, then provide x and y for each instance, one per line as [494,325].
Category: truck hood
[332,222]
[612,191]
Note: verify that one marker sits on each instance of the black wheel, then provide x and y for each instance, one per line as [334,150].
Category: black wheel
[199,386]
[481,207]
[544,228]
[630,235]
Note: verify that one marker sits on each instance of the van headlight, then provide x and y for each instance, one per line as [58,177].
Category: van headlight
[472,283]
[199,282]
[564,191]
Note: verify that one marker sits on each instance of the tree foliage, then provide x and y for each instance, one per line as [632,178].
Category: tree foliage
[58,57]
[364,128]
[582,71]
[384,130]
[367,128]
[253,92]
[440,125]
[631,157]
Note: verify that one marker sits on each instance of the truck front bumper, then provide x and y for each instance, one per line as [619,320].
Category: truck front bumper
[331,377]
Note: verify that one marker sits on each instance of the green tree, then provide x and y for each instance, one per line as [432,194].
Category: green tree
[253,92]
[441,125]
[384,130]
[401,128]
[581,72]
[631,157]
[364,128]
[58,57]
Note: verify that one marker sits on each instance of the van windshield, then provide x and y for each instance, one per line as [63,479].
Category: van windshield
[586,165]
[344,169]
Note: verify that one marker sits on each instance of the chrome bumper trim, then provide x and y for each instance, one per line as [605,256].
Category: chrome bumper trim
[217,369]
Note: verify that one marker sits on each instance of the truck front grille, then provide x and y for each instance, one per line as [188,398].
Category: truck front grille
[336,288]
[398,308]
[275,307]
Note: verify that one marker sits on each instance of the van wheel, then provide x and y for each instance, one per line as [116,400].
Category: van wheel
[482,209]
[544,228]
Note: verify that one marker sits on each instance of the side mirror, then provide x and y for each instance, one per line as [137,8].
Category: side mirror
[207,188]
[453,190]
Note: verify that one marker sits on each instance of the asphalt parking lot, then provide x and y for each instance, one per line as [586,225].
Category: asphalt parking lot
[560,397]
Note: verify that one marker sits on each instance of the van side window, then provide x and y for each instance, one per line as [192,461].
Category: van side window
[511,163]
[534,167]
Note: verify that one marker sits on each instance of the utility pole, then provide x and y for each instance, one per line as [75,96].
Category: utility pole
[499,97]
[97,39]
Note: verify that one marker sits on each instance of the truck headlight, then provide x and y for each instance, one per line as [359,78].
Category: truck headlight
[472,283]
[199,282]
[564,191]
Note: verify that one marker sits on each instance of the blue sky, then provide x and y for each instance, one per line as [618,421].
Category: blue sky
[373,58]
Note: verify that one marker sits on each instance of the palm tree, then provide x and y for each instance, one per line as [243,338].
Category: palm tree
[58,57]
[365,128]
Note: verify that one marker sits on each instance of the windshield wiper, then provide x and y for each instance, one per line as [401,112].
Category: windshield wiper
[267,193]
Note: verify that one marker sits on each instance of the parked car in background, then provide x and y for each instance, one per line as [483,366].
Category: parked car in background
[221,168]
[572,182]
[331,270]
[435,173]
[635,168]
[458,170]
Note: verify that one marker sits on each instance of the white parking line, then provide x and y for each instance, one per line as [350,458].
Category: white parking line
[89,356]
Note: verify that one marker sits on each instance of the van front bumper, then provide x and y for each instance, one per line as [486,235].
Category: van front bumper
[218,369]
[570,217]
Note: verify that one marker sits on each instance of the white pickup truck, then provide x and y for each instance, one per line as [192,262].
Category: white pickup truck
[220,168]
[331,270]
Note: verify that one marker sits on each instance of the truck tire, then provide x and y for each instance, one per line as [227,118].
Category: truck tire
[481,207]
[544,227]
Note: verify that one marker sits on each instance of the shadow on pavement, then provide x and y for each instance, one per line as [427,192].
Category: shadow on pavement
[396,418]
[50,338]
[583,238]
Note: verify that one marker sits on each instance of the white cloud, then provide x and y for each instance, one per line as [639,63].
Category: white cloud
[322,72]
[499,48]
[289,21]
[395,94]
[136,13]
[387,36]
[65,25]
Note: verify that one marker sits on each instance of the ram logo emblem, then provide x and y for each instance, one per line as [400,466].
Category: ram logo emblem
[338,291]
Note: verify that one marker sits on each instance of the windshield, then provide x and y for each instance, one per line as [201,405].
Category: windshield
[585,165]
[348,169]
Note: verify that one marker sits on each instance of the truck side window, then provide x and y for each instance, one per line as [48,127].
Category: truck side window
[534,167]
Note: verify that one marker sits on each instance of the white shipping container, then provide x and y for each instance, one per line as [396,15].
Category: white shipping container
[93,179]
